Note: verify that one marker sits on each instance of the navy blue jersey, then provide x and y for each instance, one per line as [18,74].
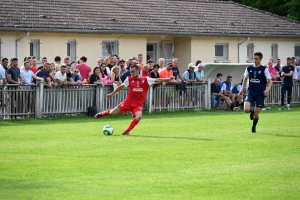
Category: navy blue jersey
[175,72]
[257,79]
[286,70]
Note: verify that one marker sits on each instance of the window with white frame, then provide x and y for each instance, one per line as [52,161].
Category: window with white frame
[274,52]
[221,52]
[35,48]
[168,51]
[250,52]
[71,49]
[297,51]
[110,48]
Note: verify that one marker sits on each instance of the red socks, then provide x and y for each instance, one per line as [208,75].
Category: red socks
[133,123]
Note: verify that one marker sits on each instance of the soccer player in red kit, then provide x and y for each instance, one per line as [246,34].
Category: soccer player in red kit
[137,92]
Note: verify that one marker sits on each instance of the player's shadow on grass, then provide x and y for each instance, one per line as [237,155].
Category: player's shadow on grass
[184,138]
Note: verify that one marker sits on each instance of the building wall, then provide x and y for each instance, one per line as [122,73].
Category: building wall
[182,51]
[8,44]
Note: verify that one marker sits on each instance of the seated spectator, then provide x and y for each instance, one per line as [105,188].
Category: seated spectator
[115,75]
[227,91]
[154,73]
[61,76]
[75,75]
[236,89]
[44,73]
[103,74]
[220,76]
[216,93]
[189,75]
[273,72]
[199,73]
[28,75]
[95,77]
[145,71]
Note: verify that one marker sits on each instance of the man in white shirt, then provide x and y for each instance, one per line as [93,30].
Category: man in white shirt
[28,74]
[61,76]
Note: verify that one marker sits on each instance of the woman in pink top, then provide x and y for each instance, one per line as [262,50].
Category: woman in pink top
[273,72]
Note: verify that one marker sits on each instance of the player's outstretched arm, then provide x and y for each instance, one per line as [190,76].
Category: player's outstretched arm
[164,79]
[118,89]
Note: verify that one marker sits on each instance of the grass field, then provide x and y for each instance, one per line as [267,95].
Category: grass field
[176,155]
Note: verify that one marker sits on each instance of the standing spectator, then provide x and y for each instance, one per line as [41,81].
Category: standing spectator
[297,67]
[259,78]
[145,71]
[161,63]
[115,76]
[111,62]
[44,60]
[295,75]
[13,73]
[176,70]
[140,60]
[45,74]
[198,62]
[66,61]
[84,69]
[61,76]
[99,62]
[199,73]
[3,69]
[75,75]
[166,72]
[189,75]
[287,83]
[33,67]
[122,67]
[28,76]
[57,64]
[278,65]
[150,64]
[103,74]
[273,72]
[154,73]
[70,80]
[52,69]
[95,77]
[293,61]
[129,63]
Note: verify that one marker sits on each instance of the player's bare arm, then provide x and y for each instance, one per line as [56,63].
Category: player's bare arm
[164,79]
[118,89]
[269,84]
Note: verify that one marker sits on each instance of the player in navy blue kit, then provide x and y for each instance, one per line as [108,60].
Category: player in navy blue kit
[259,86]
[287,83]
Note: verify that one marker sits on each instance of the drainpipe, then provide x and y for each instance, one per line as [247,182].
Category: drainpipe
[239,48]
[17,44]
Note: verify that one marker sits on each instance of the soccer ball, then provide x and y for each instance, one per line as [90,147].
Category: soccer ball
[108,130]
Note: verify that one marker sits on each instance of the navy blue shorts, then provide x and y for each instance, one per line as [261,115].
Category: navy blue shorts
[258,99]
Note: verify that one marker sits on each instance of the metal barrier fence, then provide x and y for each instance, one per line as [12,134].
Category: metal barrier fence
[37,100]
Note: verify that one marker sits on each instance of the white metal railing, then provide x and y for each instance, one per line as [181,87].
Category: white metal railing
[37,100]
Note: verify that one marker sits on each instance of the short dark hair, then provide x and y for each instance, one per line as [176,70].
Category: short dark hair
[44,58]
[219,74]
[63,66]
[4,59]
[68,65]
[57,58]
[140,54]
[135,66]
[14,59]
[25,59]
[66,58]
[33,57]
[293,57]
[156,66]
[278,58]
[229,77]
[259,54]
[198,62]
[83,58]
[288,58]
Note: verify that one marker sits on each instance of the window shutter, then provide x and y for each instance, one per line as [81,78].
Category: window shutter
[168,51]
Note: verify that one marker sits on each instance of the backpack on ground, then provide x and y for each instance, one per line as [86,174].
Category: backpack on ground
[91,111]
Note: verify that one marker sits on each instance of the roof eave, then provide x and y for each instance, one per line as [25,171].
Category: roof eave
[146,32]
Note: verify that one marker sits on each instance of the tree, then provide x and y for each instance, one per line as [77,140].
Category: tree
[286,8]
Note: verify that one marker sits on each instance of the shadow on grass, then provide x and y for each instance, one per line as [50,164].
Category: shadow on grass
[164,137]
[278,135]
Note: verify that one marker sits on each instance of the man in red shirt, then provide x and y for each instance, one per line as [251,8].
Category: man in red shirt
[84,69]
[137,92]
[145,71]
[33,67]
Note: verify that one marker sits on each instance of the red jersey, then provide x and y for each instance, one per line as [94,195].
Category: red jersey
[146,73]
[137,89]
[33,69]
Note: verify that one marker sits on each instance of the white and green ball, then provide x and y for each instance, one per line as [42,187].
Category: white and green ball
[108,130]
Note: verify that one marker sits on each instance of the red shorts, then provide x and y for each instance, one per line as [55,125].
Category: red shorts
[125,107]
